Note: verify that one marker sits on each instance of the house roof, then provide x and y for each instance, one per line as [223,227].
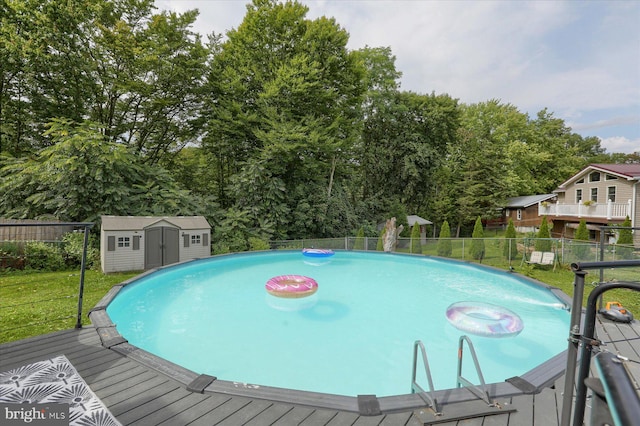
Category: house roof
[412,218]
[134,223]
[625,171]
[528,200]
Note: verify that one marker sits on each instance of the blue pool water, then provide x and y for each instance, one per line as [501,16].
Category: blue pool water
[354,336]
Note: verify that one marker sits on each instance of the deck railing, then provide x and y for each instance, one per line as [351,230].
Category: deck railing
[608,210]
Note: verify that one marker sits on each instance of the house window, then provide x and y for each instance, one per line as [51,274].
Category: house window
[594,177]
[610,177]
[580,181]
[124,241]
[578,195]
[519,214]
[195,239]
[611,194]
[594,195]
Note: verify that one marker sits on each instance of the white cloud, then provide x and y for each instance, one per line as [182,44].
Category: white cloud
[620,144]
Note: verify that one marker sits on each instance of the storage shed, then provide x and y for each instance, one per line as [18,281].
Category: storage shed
[135,243]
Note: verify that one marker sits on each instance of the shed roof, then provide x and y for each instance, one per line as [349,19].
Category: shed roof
[528,200]
[133,223]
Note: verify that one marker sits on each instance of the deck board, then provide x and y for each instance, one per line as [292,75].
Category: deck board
[139,395]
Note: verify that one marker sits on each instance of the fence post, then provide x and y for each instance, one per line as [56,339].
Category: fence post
[82,268]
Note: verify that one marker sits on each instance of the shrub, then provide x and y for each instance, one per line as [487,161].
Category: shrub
[258,244]
[444,247]
[477,243]
[510,250]
[624,244]
[581,248]
[359,243]
[543,241]
[380,244]
[416,246]
[43,256]
[73,248]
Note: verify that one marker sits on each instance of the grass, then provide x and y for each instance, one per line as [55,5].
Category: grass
[35,303]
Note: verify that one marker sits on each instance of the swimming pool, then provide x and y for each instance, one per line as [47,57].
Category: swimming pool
[354,336]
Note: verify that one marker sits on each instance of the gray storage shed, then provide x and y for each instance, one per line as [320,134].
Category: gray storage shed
[135,243]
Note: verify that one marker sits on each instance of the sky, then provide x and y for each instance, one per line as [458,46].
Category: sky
[578,59]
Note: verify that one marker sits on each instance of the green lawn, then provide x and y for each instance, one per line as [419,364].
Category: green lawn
[34,303]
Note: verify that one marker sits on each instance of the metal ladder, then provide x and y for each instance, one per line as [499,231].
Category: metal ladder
[429,397]
[479,391]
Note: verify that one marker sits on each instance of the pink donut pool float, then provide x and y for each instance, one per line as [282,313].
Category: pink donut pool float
[484,319]
[291,286]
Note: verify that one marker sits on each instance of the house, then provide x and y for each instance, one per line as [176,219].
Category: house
[133,243]
[524,211]
[601,194]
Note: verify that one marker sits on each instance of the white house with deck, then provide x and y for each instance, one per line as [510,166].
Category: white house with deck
[136,243]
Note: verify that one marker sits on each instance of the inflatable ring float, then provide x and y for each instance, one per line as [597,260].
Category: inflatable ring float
[292,286]
[484,319]
[311,252]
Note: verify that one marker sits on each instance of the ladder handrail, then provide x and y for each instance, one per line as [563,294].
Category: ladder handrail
[481,393]
[429,397]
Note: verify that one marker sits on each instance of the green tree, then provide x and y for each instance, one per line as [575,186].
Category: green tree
[510,249]
[444,247]
[82,176]
[416,245]
[624,244]
[477,243]
[581,247]
[543,238]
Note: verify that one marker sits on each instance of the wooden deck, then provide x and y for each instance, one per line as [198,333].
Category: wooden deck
[138,394]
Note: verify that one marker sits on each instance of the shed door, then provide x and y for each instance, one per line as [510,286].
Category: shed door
[161,247]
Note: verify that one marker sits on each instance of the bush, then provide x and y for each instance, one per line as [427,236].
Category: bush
[624,244]
[477,244]
[73,248]
[581,249]
[359,243]
[510,250]
[258,244]
[543,240]
[444,247]
[43,256]
[11,256]
[380,244]
[416,246]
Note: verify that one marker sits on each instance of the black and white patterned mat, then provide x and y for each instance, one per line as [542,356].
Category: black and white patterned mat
[55,381]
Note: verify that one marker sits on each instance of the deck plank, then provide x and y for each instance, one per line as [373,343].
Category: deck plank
[139,395]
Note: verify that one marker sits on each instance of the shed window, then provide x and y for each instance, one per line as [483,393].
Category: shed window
[111,243]
[185,240]
[195,239]
[611,194]
[205,239]
[136,242]
[124,242]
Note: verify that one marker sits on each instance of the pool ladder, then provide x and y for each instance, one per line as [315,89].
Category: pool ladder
[480,391]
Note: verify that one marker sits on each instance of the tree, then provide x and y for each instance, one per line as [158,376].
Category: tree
[510,250]
[82,176]
[624,244]
[477,242]
[543,239]
[416,246]
[444,248]
[581,247]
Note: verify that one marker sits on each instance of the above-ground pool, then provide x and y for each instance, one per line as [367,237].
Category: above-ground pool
[353,336]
